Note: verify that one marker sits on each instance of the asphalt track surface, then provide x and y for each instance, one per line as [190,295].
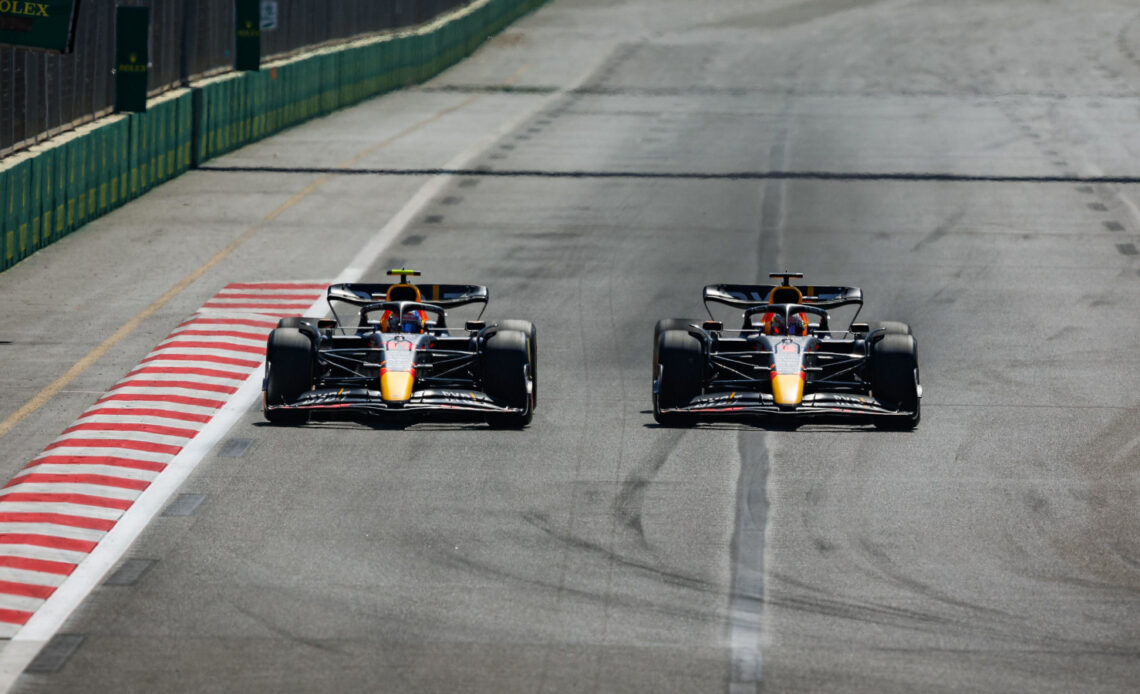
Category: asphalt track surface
[977,157]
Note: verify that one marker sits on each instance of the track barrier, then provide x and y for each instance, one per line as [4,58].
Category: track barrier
[56,187]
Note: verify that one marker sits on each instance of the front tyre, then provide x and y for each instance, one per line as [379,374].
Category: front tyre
[528,329]
[506,375]
[894,380]
[289,373]
[668,324]
[678,369]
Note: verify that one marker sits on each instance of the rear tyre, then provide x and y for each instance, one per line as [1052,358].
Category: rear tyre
[894,379]
[891,327]
[306,324]
[289,365]
[677,369]
[668,324]
[528,329]
[506,369]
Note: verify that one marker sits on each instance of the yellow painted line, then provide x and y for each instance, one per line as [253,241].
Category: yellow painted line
[41,398]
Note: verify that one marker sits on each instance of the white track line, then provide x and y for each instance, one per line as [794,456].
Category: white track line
[50,617]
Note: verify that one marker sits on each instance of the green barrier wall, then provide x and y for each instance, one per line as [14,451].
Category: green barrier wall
[54,188]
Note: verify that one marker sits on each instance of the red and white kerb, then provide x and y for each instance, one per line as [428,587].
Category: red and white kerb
[55,511]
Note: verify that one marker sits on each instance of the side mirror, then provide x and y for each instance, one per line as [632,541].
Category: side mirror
[474,325]
[326,324]
[713,325]
[860,328]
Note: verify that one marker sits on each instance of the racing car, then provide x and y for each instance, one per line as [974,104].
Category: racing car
[785,359]
[395,354]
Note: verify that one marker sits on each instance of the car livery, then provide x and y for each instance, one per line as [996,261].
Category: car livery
[785,359]
[397,355]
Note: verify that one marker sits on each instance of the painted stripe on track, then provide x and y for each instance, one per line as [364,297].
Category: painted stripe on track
[207,358]
[67,498]
[23,515]
[31,577]
[162,397]
[184,385]
[56,531]
[112,461]
[144,446]
[85,480]
[58,510]
[28,590]
[19,602]
[158,429]
[269,286]
[218,346]
[30,633]
[114,436]
[221,334]
[153,371]
[78,469]
[38,552]
[205,319]
[63,543]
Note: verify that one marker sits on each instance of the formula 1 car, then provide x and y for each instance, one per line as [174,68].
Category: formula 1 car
[397,355]
[785,359]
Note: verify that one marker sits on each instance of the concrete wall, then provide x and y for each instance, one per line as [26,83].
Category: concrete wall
[54,188]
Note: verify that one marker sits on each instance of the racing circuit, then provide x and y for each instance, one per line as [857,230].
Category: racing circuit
[970,166]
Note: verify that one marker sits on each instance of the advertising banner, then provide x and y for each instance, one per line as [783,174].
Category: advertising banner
[45,24]
[247,34]
[132,57]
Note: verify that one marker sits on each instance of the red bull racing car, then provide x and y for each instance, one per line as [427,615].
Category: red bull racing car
[395,354]
[786,359]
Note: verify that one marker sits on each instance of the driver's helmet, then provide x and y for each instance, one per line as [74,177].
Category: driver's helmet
[774,324]
[798,324]
[411,322]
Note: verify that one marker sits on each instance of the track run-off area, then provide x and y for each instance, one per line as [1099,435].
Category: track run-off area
[972,167]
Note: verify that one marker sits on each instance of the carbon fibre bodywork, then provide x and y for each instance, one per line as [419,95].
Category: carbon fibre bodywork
[758,369]
[364,364]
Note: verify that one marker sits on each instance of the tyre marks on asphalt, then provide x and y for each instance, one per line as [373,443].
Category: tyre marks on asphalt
[1107,197]
[55,511]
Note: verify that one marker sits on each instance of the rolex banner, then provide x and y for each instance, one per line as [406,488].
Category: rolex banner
[132,56]
[247,34]
[44,24]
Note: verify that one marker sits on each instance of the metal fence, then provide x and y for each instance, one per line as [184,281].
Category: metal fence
[42,94]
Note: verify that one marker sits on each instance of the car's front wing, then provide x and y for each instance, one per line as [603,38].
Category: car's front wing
[813,404]
[368,401]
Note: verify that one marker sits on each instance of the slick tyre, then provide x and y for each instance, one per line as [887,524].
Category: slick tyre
[894,379]
[296,321]
[891,327]
[668,324]
[680,361]
[289,364]
[528,329]
[306,324]
[506,369]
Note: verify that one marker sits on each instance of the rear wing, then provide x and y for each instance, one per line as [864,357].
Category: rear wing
[749,295]
[442,295]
